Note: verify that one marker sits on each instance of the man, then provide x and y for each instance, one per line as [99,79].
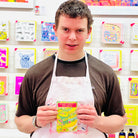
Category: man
[71,75]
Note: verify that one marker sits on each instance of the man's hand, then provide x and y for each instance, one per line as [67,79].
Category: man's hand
[45,115]
[108,124]
[87,115]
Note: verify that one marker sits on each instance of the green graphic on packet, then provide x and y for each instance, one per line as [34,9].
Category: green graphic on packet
[67,116]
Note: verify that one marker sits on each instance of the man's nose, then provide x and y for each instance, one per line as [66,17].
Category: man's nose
[72,36]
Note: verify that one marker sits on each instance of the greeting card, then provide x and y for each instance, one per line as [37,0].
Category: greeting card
[119,79]
[112,33]
[4,53]
[133,88]
[4,30]
[3,85]
[25,57]
[134,60]
[126,2]
[89,40]
[111,2]
[67,117]
[131,114]
[134,33]
[49,51]
[3,113]
[91,2]
[18,81]
[134,2]
[88,50]
[25,31]
[47,32]
[16,106]
[113,58]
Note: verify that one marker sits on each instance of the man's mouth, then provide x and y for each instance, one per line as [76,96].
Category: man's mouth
[71,45]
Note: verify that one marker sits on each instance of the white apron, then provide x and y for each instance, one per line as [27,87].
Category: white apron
[64,88]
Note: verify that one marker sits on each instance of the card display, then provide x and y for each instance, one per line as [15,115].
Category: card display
[4,30]
[3,113]
[133,88]
[89,40]
[26,31]
[4,53]
[88,50]
[25,57]
[134,33]
[134,60]
[16,106]
[112,33]
[18,81]
[49,51]
[112,57]
[3,85]
[131,114]
[47,32]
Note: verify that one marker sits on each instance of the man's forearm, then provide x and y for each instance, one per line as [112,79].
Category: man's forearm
[24,124]
[110,124]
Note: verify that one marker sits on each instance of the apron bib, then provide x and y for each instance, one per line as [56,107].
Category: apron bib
[64,88]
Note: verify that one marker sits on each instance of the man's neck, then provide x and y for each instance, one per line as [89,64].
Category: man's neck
[70,57]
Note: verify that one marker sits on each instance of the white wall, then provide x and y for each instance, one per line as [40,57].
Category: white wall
[47,12]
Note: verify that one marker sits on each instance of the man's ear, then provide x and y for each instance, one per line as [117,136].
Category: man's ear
[89,32]
[55,29]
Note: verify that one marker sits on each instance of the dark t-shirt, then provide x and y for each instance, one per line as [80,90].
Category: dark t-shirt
[105,85]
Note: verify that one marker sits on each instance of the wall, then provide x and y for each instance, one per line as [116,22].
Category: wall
[47,13]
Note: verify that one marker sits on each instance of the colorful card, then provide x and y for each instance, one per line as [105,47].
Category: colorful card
[47,32]
[111,2]
[26,30]
[134,60]
[3,113]
[4,30]
[112,33]
[25,58]
[18,81]
[23,1]
[3,85]
[113,58]
[131,114]
[89,40]
[16,106]
[4,53]
[133,88]
[49,51]
[134,33]
[119,79]
[67,117]
[88,50]
[91,2]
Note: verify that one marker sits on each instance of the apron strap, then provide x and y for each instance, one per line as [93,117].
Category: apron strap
[87,65]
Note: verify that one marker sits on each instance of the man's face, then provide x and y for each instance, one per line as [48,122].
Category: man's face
[72,34]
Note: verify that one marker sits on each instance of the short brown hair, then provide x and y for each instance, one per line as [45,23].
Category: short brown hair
[74,9]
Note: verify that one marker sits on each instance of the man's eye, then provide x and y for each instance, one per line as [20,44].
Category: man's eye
[80,30]
[66,29]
